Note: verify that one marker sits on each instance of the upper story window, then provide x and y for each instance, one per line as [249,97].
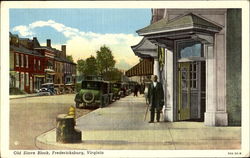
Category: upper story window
[27,61]
[190,49]
[34,64]
[50,65]
[39,64]
[22,60]
[17,60]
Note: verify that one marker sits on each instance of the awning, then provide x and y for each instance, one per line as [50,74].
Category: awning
[39,76]
[144,68]
[51,73]
[187,26]
[13,72]
[145,49]
[49,70]
[188,21]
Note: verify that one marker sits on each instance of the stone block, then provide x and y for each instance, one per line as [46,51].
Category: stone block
[65,129]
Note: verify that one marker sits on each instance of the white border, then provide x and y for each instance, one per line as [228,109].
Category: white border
[5,6]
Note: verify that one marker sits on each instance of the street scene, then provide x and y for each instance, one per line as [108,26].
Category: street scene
[125,79]
[28,121]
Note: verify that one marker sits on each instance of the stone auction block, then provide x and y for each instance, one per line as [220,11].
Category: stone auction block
[65,129]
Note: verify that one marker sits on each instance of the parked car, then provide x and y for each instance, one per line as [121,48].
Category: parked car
[93,93]
[116,90]
[47,88]
[125,91]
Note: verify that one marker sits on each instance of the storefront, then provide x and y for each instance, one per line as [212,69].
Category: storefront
[38,81]
[194,73]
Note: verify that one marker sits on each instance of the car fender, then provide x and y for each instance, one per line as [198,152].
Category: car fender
[78,98]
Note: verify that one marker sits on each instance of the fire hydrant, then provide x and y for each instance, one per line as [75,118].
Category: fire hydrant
[72,111]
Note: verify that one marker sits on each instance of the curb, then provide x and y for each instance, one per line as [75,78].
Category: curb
[24,96]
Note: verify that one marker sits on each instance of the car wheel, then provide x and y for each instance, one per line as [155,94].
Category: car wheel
[77,105]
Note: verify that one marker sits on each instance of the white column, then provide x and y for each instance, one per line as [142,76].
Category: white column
[168,108]
[156,67]
[215,114]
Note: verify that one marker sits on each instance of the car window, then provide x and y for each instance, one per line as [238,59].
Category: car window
[91,85]
[117,85]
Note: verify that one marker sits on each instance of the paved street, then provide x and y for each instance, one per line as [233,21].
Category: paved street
[121,126]
[32,116]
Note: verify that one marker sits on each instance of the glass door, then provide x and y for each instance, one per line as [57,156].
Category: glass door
[184,91]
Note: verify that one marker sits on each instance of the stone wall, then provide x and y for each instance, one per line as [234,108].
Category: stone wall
[234,55]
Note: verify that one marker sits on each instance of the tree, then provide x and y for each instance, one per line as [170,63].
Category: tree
[70,58]
[90,66]
[81,66]
[105,59]
[113,75]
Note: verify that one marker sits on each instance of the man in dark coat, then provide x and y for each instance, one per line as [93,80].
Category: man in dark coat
[156,99]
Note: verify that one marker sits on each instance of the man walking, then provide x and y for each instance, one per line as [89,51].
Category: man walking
[156,99]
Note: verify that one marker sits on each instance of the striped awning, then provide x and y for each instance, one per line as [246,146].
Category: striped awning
[144,68]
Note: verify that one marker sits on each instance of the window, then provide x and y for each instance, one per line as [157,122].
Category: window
[193,75]
[27,61]
[39,64]
[34,64]
[184,78]
[17,80]
[17,60]
[190,49]
[27,79]
[21,60]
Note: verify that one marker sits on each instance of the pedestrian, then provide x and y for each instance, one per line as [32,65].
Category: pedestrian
[136,90]
[156,99]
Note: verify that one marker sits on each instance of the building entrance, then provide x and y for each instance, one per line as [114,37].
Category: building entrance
[191,80]
[191,90]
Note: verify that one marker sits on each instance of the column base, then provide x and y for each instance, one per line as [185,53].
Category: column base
[168,114]
[216,119]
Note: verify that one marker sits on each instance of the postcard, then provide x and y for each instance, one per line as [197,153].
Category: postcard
[125,79]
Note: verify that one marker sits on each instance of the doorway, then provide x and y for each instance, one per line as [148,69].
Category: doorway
[191,90]
[190,81]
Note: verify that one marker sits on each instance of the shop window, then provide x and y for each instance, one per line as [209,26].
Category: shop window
[17,80]
[27,79]
[22,81]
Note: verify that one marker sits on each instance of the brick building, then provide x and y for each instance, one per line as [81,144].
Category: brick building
[31,65]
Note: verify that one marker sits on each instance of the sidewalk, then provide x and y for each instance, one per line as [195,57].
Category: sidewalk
[121,125]
[23,96]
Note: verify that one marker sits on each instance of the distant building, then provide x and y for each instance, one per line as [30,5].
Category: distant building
[32,65]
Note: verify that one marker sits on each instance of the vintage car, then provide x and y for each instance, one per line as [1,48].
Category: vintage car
[116,90]
[93,93]
[47,88]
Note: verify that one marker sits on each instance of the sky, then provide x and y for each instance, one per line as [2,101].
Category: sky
[84,31]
